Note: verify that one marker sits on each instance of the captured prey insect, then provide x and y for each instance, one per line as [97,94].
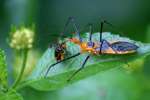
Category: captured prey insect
[60,51]
[95,48]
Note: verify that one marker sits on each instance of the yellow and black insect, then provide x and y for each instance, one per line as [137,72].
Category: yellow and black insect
[60,51]
[96,48]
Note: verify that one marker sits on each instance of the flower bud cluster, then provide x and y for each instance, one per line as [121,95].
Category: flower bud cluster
[22,39]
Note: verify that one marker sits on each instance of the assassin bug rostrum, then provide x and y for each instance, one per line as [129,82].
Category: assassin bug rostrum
[96,48]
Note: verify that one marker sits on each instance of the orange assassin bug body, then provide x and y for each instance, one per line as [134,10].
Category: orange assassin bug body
[95,48]
[109,50]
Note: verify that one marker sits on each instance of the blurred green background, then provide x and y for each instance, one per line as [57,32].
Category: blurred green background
[49,16]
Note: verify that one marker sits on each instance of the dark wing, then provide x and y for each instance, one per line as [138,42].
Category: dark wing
[123,46]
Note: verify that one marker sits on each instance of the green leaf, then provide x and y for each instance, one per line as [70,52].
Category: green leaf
[10,95]
[3,71]
[58,75]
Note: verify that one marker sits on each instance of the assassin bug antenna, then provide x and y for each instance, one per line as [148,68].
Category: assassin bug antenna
[76,27]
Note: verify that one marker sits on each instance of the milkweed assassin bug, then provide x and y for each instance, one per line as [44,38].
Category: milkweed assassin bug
[94,48]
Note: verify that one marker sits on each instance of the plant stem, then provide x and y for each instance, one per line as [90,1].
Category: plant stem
[18,79]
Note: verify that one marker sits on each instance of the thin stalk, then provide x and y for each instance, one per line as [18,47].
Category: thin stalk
[18,79]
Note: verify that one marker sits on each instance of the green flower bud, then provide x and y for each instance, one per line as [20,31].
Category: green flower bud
[22,39]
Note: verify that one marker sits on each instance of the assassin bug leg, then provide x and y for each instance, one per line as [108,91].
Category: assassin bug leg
[90,44]
[91,30]
[101,30]
[86,59]
[102,25]
[119,47]
[60,62]
[76,27]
